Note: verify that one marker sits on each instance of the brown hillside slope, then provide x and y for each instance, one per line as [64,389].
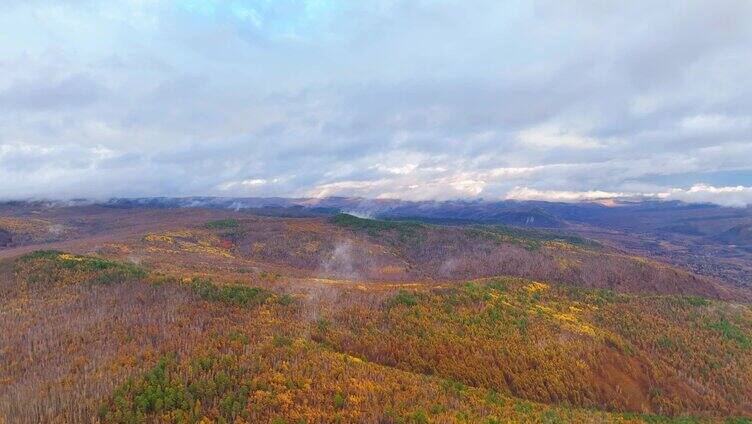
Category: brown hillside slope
[90,340]
[376,250]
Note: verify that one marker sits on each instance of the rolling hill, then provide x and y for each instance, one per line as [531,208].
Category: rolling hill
[740,235]
[156,314]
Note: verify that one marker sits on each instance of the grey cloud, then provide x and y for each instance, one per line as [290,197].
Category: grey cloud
[398,98]
[42,94]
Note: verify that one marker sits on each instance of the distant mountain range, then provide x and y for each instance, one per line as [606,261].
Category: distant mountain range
[668,216]
[707,239]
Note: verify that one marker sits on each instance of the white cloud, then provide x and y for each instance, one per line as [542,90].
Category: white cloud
[468,187]
[710,123]
[388,98]
[253,182]
[551,137]
[347,188]
[512,172]
[736,196]
[451,186]
[526,193]
[399,170]
[245,184]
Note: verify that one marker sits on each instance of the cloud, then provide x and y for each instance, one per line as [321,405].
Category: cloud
[738,196]
[69,92]
[525,193]
[547,137]
[392,98]
[712,123]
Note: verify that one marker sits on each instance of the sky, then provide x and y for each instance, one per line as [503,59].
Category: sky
[411,99]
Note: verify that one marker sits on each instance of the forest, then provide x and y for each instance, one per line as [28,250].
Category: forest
[226,318]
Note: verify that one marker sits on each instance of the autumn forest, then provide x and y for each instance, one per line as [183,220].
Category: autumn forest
[213,316]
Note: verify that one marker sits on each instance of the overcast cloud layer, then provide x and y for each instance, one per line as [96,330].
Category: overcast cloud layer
[415,99]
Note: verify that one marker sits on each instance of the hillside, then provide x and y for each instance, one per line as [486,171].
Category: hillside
[740,235]
[684,235]
[326,350]
[191,315]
